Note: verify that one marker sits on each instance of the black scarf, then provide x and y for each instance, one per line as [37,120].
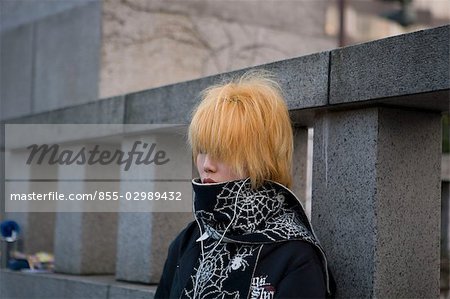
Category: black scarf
[270,213]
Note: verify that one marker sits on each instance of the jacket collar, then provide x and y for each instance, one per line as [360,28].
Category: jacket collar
[270,213]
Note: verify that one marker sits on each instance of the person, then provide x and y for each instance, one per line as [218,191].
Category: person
[251,237]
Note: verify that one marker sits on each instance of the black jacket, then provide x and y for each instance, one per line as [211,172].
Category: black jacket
[243,260]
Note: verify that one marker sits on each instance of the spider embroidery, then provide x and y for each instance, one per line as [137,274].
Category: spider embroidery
[237,262]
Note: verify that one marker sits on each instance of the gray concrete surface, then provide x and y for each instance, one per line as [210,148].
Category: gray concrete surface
[299,167]
[16,82]
[18,12]
[305,82]
[144,237]
[105,111]
[395,66]
[50,55]
[66,64]
[376,200]
[20,285]
[85,242]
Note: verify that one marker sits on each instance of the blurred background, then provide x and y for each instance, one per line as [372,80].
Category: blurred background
[71,52]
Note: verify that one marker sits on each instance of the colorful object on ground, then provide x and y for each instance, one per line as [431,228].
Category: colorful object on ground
[10,230]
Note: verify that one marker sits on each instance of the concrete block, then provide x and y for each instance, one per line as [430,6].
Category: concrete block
[67,58]
[167,104]
[350,82]
[267,14]
[375,203]
[82,289]
[303,89]
[36,228]
[85,241]
[25,285]
[300,161]
[40,225]
[174,175]
[19,12]
[173,103]
[16,59]
[344,147]
[143,241]
[144,234]
[105,111]
[15,284]
[408,203]
[253,37]
[407,64]
[116,292]
[68,243]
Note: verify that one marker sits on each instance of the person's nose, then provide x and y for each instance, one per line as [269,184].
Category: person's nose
[209,165]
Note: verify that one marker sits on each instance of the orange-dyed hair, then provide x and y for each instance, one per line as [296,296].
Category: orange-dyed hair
[245,123]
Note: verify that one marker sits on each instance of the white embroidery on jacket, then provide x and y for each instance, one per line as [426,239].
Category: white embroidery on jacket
[253,208]
[261,289]
[264,215]
[214,270]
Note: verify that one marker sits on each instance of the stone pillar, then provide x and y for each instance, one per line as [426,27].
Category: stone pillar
[144,236]
[41,225]
[376,200]
[300,162]
[85,241]
[36,227]
[17,178]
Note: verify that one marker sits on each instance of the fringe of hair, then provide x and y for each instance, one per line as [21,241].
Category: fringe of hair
[245,123]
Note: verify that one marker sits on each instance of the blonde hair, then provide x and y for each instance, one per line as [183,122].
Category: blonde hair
[245,123]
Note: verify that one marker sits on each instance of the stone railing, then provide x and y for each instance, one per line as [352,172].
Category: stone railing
[376,113]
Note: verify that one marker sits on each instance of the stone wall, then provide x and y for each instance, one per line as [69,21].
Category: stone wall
[49,55]
[152,43]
